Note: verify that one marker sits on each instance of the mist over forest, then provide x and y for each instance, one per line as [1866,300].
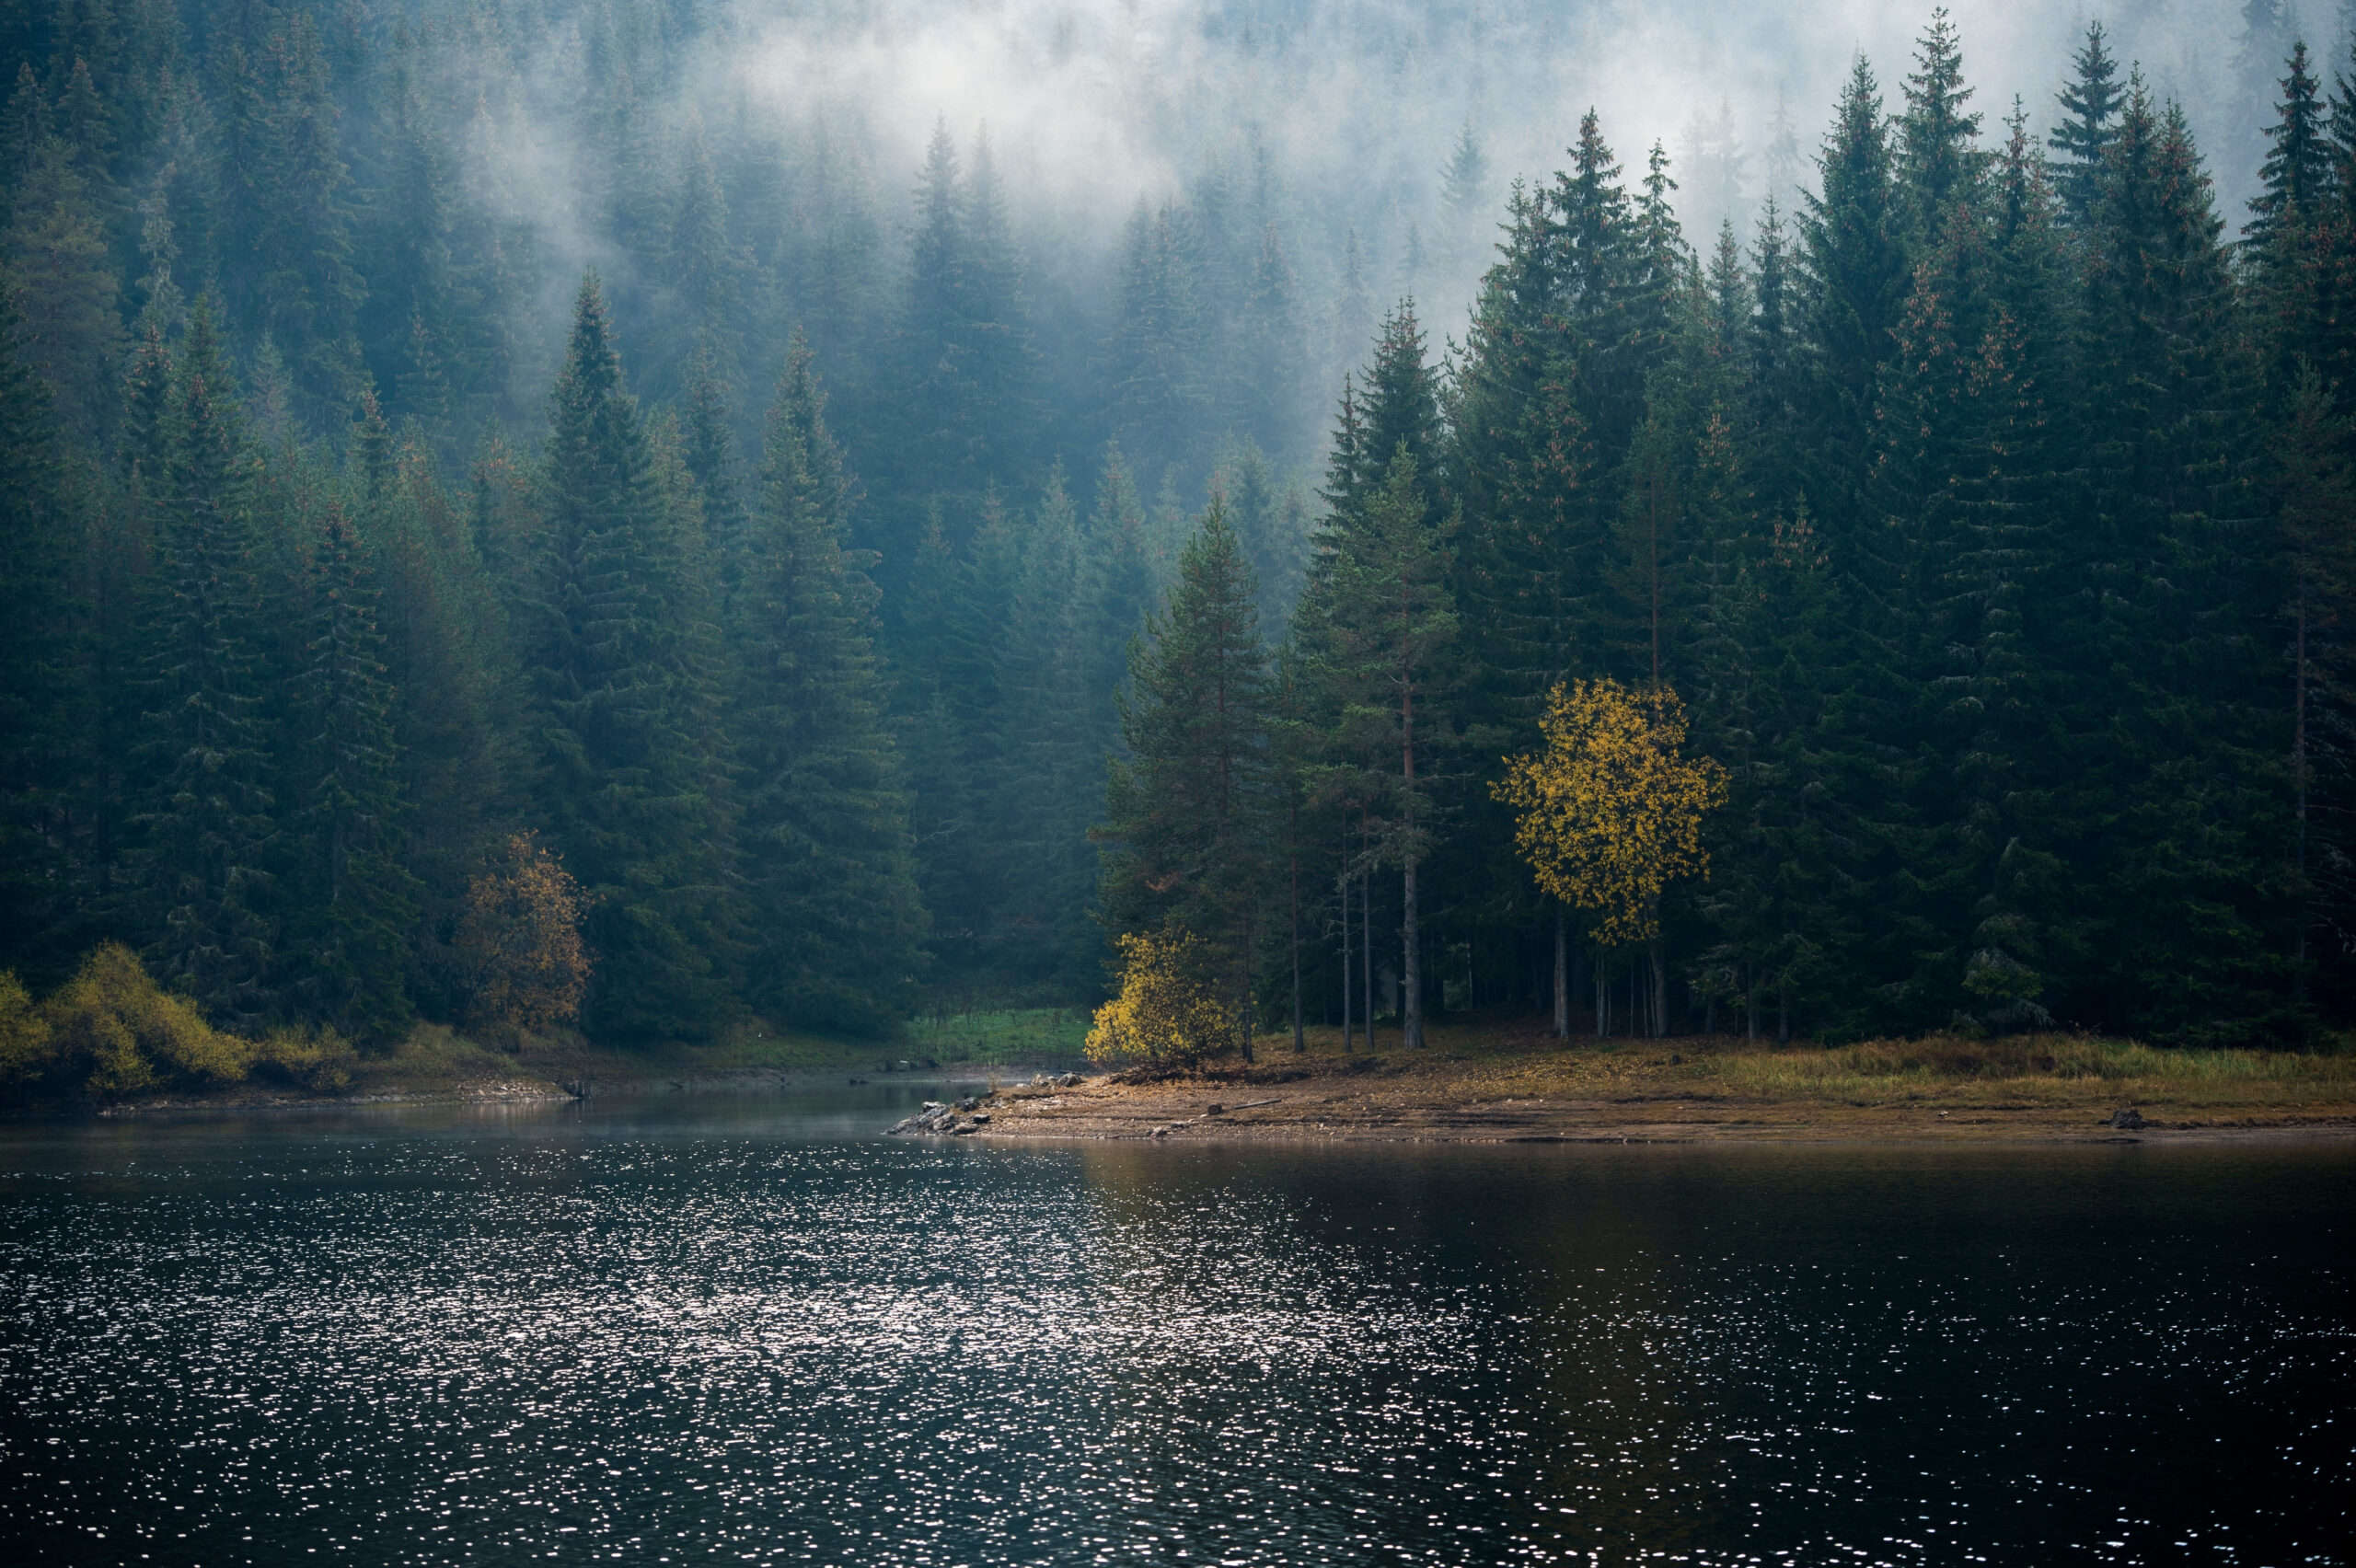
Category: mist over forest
[677,514]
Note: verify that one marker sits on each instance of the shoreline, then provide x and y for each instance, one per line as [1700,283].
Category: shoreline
[657,1081]
[1499,1089]
[1475,1084]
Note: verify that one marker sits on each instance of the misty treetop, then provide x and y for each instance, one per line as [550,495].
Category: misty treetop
[678,568]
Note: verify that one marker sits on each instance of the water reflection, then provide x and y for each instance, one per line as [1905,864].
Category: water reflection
[666,1330]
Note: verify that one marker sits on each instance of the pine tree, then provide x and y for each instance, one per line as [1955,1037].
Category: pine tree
[207,749]
[1186,806]
[1052,789]
[54,253]
[1378,629]
[1158,393]
[2175,575]
[2081,142]
[288,218]
[2296,176]
[353,902]
[1856,271]
[1938,164]
[1464,194]
[825,856]
[44,761]
[624,772]
[999,351]
[1271,390]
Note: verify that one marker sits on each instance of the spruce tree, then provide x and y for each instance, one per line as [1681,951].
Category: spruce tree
[1379,628]
[824,854]
[1855,261]
[2295,179]
[1938,163]
[352,903]
[206,750]
[623,770]
[44,759]
[1186,806]
[2082,140]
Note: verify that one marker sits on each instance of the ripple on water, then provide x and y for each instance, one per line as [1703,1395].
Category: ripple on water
[422,1345]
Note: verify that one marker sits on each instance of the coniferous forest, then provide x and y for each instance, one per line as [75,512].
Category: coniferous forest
[797,585]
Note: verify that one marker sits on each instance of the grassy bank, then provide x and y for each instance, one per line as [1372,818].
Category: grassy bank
[435,1060]
[1493,1081]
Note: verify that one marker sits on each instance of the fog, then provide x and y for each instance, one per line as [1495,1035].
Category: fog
[1338,117]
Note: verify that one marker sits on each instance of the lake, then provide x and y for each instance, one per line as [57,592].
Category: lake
[752,1331]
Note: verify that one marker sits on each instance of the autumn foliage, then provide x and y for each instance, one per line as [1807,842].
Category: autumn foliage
[1608,814]
[1167,1009]
[113,1031]
[519,941]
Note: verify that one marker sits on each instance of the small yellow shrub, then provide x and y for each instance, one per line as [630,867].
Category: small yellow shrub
[24,1050]
[321,1061]
[132,1034]
[1167,1011]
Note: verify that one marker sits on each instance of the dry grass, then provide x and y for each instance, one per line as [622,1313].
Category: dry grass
[2041,1076]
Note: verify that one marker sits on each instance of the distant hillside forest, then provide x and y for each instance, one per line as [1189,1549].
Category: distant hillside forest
[860,608]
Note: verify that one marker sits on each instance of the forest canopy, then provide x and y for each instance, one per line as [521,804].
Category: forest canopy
[792,584]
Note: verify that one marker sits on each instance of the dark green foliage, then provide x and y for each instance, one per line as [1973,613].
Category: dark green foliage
[621,706]
[1186,808]
[42,702]
[2081,142]
[205,781]
[1986,515]
[351,901]
[2297,171]
[825,856]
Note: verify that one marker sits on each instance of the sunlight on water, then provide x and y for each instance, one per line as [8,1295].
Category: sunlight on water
[754,1336]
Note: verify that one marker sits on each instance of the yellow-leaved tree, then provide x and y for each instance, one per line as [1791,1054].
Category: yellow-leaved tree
[519,941]
[1169,1009]
[1609,812]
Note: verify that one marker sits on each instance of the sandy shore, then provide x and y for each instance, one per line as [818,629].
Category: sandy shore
[1659,1095]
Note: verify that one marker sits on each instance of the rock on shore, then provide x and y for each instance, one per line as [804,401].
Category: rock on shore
[958,1118]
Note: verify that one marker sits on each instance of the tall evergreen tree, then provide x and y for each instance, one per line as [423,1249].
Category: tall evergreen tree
[1379,628]
[1937,161]
[353,902]
[1186,807]
[207,749]
[43,709]
[624,769]
[2082,140]
[826,857]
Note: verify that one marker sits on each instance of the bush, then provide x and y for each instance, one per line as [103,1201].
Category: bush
[1167,1011]
[519,943]
[112,1031]
[320,1062]
[25,1051]
[113,1028]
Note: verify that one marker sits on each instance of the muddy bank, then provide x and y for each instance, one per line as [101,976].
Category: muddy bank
[1563,1098]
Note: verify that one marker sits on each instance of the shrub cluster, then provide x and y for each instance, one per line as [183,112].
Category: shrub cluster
[112,1031]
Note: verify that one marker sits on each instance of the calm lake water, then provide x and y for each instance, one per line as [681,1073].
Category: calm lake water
[755,1332]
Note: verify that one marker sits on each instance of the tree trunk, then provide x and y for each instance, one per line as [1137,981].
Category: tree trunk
[1661,987]
[1561,976]
[1349,1035]
[2299,778]
[1299,1039]
[1411,995]
[1366,950]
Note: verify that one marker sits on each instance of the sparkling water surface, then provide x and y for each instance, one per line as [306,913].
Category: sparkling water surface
[752,1331]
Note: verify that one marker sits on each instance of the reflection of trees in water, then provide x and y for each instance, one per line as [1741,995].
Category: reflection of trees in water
[1410,1341]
